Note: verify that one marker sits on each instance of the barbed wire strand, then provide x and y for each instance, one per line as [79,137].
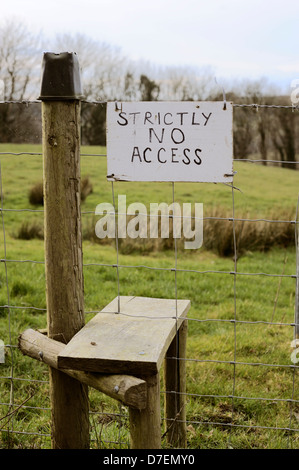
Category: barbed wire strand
[101,102]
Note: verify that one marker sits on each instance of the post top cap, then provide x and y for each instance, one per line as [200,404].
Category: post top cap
[60,77]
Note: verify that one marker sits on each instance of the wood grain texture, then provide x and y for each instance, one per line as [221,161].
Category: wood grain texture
[145,425]
[62,220]
[131,391]
[63,264]
[175,387]
[133,341]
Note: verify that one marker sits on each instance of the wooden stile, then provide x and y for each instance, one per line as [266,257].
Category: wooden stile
[136,338]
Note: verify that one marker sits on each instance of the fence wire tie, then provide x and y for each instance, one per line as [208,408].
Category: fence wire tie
[224,99]
[117,108]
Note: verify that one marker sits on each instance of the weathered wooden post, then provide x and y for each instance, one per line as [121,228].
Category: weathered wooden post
[60,95]
[175,385]
[145,425]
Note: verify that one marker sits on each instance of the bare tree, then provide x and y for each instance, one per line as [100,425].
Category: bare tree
[186,83]
[102,65]
[256,92]
[20,59]
[103,78]
[283,135]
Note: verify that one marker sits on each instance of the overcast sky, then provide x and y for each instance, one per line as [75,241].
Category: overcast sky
[238,39]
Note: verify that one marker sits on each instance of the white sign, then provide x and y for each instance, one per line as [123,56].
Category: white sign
[170,141]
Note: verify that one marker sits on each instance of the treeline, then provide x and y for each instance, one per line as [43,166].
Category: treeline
[263,133]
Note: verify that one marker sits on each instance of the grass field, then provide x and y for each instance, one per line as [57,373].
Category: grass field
[235,322]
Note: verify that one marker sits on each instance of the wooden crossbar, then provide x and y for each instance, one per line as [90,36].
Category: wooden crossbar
[131,391]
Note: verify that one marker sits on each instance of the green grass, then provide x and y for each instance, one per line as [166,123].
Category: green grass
[262,305]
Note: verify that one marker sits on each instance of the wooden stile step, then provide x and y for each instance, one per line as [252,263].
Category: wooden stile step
[133,341]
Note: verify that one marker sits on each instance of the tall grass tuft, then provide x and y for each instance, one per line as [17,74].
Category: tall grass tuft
[29,231]
[218,235]
[250,234]
[86,188]
[36,193]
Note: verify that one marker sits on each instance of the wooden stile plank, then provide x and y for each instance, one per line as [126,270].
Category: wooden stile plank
[133,341]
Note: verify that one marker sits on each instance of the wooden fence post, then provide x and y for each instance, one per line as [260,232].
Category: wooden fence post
[175,387]
[145,425]
[60,95]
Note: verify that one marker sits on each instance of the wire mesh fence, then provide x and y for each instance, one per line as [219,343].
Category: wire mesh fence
[242,376]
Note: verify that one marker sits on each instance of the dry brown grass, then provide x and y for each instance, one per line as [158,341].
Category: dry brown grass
[36,193]
[29,231]
[218,235]
[250,234]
